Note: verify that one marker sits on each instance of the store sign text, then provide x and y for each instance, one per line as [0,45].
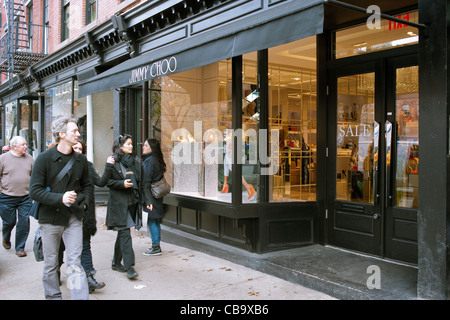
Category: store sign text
[357,131]
[156,69]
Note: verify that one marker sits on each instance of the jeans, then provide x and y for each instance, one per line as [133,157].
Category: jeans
[154,227]
[86,255]
[8,207]
[72,236]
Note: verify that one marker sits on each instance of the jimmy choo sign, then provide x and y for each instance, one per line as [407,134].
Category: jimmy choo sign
[154,70]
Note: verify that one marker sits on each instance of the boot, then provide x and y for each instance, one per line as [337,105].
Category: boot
[93,284]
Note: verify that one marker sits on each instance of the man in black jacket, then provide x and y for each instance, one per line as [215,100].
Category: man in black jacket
[61,209]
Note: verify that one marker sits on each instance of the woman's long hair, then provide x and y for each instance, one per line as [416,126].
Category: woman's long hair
[118,142]
[156,152]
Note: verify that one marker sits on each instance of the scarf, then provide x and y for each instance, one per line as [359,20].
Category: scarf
[128,162]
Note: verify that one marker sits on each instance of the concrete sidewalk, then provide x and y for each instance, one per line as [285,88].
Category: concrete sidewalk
[178,274]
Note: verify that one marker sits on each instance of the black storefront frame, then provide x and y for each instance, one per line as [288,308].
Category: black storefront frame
[255,218]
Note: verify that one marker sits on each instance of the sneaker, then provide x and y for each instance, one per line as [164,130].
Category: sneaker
[131,273]
[153,251]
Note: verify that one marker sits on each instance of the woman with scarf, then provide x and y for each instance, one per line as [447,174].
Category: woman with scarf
[154,168]
[124,204]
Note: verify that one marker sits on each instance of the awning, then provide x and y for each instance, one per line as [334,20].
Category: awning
[259,31]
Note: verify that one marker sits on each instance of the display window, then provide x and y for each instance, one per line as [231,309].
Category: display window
[191,113]
[58,102]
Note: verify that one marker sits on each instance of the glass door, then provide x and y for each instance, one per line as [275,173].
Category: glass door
[402,163]
[373,158]
[353,203]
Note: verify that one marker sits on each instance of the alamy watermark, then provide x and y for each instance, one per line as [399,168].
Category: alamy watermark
[374,20]
[374,280]
[218,144]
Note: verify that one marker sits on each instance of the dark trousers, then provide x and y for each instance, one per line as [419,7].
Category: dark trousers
[123,249]
[14,212]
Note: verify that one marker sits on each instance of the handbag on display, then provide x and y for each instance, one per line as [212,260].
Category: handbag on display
[160,189]
[34,209]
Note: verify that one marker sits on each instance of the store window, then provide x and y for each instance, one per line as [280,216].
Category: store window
[292,112]
[193,111]
[29,125]
[10,121]
[365,38]
[58,102]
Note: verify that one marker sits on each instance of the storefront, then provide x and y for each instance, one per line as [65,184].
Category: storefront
[310,106]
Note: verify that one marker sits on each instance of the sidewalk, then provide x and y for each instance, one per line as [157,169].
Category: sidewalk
[179,273]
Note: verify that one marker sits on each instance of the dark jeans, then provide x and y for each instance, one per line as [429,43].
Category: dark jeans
[8,207]
[123,249]
[86,254]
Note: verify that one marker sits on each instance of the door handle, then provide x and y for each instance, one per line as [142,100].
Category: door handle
[388,132]
[376,216]
[376,145]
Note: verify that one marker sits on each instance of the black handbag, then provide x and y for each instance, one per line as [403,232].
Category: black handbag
[160,189]
[34,209]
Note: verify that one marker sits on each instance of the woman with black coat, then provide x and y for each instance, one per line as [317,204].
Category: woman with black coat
[154,168]
[124,204]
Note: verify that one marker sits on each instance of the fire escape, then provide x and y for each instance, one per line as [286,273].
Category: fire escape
[23,43]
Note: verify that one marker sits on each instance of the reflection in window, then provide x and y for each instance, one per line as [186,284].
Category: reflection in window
[407,115]
[10,121]
[356,152]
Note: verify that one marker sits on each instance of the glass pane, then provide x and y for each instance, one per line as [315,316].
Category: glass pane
[192,110]
[363,39]
[355,138]
[407,116]
[250,119]
[292,112]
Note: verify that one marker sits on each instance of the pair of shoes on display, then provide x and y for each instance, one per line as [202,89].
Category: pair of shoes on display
[153,251]
[93,284]
[131,273]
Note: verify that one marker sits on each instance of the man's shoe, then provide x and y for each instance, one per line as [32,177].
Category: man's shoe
[6,244]
[154,251]
[21,253]
[131,273]
[118,267]
[93,284]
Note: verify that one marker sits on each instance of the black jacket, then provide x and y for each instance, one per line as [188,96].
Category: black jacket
[117,211]
[152,173]
[90,220]
[46,168]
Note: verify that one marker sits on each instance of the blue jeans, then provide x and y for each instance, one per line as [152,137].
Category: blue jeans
[8,207]
[154,227]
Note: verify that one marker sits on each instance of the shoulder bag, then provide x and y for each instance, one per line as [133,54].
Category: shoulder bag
[160,189]
[34,209]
